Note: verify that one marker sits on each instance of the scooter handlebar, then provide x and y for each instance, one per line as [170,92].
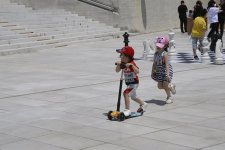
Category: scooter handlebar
[123,65]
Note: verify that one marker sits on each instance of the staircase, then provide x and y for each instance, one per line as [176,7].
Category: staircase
[25,30]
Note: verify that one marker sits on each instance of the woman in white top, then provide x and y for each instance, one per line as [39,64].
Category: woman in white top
[213,11]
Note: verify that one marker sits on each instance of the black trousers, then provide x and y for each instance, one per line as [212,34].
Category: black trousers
[183,24]
[221,22]
[214,29]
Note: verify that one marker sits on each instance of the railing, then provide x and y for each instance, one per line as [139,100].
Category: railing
[101,5]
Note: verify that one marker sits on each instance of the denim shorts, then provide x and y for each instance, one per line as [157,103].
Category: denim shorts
[195,42]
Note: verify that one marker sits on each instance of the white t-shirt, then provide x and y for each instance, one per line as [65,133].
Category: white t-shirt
[213,14]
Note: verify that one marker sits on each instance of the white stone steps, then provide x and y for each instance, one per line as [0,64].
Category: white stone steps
[8,5]
[15,35]
[25,30]
[38,24]
[54,32]
[58,38]
[12,7]
[51,27]
[44,19]
[5,2]
[32,20]
[50,12]
[37,36]
[14,27]
[55,44]
[101,37]
[74,30]
[38,16]
[15,41]
[46,29]
[15,10]
[31,11]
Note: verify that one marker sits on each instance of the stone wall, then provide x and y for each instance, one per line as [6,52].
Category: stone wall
[134,15]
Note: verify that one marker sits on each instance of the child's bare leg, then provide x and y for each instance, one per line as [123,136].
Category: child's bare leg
[166,88]
[142,104]
[127,101]
[194,52]
[160,85]
[139,101]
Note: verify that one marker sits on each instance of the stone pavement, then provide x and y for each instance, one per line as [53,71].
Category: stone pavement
[57,99]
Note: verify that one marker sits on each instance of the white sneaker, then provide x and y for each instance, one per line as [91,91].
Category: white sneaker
[169,100]
[172,88]
[127,112]
[143,107]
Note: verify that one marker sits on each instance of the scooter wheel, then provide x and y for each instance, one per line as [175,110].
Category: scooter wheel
[121,116]
[109,115]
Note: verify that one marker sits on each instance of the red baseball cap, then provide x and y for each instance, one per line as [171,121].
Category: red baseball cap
[127,50]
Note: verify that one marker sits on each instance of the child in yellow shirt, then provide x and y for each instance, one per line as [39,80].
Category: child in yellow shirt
[198,31]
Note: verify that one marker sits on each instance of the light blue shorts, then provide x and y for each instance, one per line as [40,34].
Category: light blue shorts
[195,42]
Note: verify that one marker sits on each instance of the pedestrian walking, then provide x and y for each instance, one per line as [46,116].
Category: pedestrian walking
[189,22]
[197,9]
[182,10]
[213,11]
[190,14]
[162,71]
[198,31]
[221,17]
[131,78]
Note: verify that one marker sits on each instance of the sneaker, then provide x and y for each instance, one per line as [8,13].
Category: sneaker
[127,112]
[172,88]
[143,107]
[196,57]
[169,100]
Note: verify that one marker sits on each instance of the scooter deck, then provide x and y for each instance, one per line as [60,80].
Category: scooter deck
[116,115]
[135,114]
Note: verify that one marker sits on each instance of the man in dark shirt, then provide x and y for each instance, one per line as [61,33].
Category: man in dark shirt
[182,10]
[197,9]
[221,17]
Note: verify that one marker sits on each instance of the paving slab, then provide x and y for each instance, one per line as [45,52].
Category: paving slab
[57,99]
[216,147]
[108,147]
[67,141]
[182,139]
[139,143]
[24,131]
[200,131]
[28,145]
[5,139]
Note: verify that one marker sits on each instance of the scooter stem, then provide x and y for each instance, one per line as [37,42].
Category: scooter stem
[120,90]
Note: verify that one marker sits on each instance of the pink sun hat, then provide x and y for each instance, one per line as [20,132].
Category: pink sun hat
[161,41]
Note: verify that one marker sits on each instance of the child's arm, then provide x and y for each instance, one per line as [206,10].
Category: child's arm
[167,65]
[153,67]
[136,70]
[118,66]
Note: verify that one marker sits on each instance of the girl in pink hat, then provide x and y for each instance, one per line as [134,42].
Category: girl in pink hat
[162,71]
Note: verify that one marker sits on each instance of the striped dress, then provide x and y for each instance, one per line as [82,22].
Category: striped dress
[160,67]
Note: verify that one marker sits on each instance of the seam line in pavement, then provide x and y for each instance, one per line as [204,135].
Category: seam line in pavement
[73,87]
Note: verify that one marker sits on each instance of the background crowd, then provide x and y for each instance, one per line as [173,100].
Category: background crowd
[195,22]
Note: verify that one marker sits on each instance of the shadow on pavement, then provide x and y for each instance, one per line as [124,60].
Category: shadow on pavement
[157,102]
